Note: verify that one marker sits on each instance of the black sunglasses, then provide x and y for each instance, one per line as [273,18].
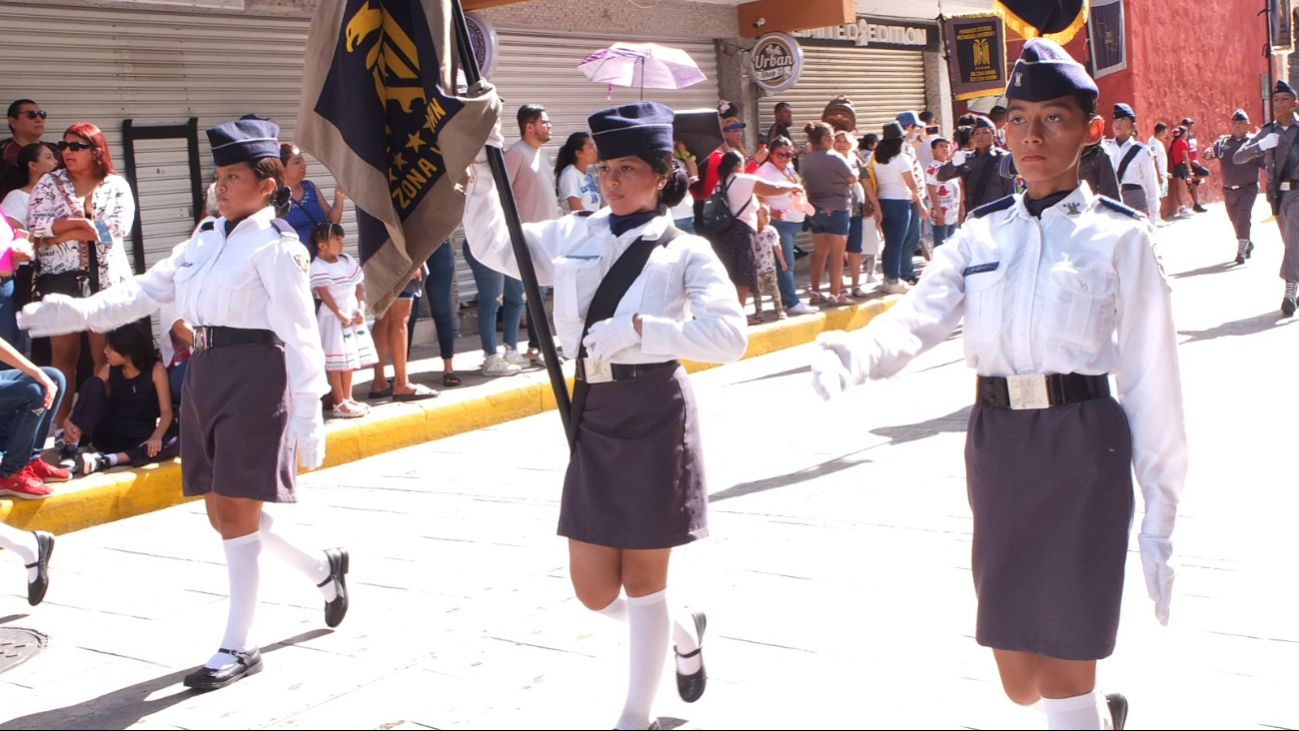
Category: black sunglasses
[75,146]
[33,114]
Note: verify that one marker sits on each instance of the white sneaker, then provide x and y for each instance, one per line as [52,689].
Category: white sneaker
[802,308]
[898,287]
[495,365]
[514,357]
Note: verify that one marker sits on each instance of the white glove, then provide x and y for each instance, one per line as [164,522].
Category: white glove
[607,338]
[1155,555]
[56,314]
[1269,142]
[829,377]
[839,363]
[958,158]
[307,430]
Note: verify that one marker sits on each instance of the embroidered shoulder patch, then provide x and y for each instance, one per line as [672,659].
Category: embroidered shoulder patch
[301,258]
[981,268]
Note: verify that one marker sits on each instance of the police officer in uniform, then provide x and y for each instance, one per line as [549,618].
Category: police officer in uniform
[251,395]
[980,171]
[1277,143]
[1239,181]
[1058,288]
[1133,164]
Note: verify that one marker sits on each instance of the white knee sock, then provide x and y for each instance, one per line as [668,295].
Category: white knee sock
[617,610]
[23,544]
[1079,712]
[314,565]
[650,625]
[683,636]
[242,556]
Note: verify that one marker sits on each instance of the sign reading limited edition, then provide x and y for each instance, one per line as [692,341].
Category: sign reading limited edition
[777,62]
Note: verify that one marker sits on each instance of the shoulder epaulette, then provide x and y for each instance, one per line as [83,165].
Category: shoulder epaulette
[283,227]
[207,226]
[583,214]
[1117,206]
[1000,204]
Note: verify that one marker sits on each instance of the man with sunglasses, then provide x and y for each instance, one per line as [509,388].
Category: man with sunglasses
[26,126]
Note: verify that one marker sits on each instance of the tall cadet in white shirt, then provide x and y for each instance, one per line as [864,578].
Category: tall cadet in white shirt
[635,483]
[251,397]
[1134,166]
[1059,289]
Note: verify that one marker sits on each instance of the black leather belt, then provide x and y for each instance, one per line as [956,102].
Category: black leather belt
[1238,187]
[593,371]
[1040,390]
[1131,186]
[207,338]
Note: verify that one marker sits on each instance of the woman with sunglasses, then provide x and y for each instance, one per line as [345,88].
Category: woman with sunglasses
[79,217]
[786,216]
[307,207]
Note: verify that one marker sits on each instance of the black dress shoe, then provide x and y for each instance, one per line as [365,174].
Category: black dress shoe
[1199,209]
[1118,710]
[1249,250]
[44,549]
[1287,307]
[245,663]
[691,687]
[337,609]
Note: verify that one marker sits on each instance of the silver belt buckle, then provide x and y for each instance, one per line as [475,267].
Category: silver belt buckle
[1028,392]
[1285,185]
[597,371]
[200,338]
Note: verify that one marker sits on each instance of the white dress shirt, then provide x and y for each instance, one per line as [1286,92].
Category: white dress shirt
[686,301]
[255,278]
[1141,171]
[1080,291]
[1160,154]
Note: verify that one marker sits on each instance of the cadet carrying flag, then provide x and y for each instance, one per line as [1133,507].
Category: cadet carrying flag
[379,109]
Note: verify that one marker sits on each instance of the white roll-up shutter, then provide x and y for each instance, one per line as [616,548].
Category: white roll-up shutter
[879,82]
[541,69]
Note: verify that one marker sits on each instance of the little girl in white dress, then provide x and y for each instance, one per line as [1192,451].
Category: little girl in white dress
[336,279]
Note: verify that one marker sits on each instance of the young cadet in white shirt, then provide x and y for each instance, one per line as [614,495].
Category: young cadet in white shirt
[1058,289]
[251,403]
[1134,166]
[635,482]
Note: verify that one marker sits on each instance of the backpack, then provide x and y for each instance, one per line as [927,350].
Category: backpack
[717,217]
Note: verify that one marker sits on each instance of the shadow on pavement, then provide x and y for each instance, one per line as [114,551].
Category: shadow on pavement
[1211,269]
[954,422]
[126,707]
[1247,326]
[829,467]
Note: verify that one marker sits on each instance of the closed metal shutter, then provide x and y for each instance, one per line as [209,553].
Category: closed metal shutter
[880,84]
[542,69]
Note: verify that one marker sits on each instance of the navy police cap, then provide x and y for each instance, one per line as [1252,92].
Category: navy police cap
[642,127]
[1283,88]
[244,140]
[1239,116]
[1124,111]
[1046,71]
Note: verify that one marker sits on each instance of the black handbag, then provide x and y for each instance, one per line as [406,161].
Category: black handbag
[717,218]
[71,284]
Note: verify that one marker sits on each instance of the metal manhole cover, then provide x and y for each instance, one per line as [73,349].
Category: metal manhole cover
[18,645]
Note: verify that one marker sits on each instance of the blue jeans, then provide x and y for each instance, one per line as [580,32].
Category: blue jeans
[943,233]
[686,225]
[492,285]
[9,318]
[912,243]
[897,222]
[437,285]
[854,235]
[24,421]
[787,230]
[176,379]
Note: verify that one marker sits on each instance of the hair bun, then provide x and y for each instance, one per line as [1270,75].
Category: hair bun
[281,197]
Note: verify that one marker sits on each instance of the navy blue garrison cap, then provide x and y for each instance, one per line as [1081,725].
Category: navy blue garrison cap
[1123,111]
[643,127]
[1239,116]
[1046,71]
[244,140]
[1284,88]
[982,121]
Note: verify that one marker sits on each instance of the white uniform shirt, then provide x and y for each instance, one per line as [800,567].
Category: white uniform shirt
[1141,171]
[1161,157]
[686,301]
[256,278]
[1079,291]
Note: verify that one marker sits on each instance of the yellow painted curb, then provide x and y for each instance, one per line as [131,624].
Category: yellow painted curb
[100,499]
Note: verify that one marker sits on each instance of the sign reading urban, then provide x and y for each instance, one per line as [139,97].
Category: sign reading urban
[777,62]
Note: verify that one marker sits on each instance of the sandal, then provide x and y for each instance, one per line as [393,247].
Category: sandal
[450,380]
[350,410]
[860,293]
[816,298]
[419,392]
[843,299]
[385,393]
[755,319]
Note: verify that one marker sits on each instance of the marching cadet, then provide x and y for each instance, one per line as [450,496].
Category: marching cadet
[1059,289]
[632,296]
[980,171]
[1239,181]
[1276,144]
[1134,166]
[251,396]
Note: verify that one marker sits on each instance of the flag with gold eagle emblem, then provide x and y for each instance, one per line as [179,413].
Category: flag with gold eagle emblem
[380,109]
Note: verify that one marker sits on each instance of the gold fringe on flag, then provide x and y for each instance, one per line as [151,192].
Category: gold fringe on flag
[1020,26]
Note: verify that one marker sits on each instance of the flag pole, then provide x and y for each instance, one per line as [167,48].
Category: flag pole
[531,288]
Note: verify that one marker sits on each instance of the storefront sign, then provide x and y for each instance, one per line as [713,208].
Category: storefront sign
[482,38]
[777,62]
[875,33]
[1106,32]
[976,48]
[1279,26]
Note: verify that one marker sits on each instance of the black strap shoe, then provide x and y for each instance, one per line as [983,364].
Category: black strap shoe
[245,663]
[1288,307]
[337,609]
[1118,710]
[691,687]
[44,549]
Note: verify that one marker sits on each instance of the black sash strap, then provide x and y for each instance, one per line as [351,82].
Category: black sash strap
[1127,159]
[604,305]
